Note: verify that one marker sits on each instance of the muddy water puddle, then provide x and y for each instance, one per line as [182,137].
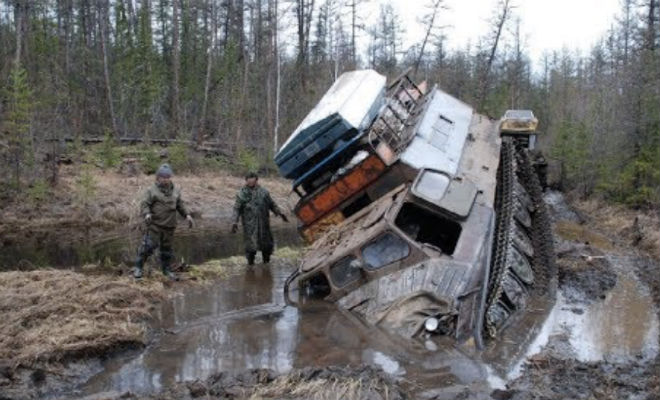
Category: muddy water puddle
[623,327]
[243,322]
[196,246]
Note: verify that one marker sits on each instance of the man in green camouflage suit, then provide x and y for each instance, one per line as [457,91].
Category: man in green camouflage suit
[159,206]
[253,204]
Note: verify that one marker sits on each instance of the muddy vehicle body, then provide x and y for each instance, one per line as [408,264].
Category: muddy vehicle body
[430,221]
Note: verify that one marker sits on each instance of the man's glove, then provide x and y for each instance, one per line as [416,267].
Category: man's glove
[234,228]
[147,219]
[284,218]
[191,221]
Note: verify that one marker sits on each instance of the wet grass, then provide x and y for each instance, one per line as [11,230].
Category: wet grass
[346,388]
[53,315]
[222,268]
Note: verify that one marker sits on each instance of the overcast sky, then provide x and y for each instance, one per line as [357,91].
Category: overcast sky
[545,24]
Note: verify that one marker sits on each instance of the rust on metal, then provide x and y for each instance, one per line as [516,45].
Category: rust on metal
[340,190]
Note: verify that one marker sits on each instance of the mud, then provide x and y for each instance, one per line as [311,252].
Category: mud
[608,348]
[585,275]
[548,377]
[237,337]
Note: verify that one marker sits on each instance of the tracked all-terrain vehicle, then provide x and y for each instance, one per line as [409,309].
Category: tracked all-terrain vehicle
[423,216]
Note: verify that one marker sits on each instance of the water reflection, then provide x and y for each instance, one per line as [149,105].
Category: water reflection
[55,249]
[620,328]
[236,324]
[243,322]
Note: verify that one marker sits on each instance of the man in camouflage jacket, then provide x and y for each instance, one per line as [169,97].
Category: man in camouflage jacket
[159,206]
[253,204]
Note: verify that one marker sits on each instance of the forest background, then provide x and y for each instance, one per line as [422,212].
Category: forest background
[233,78]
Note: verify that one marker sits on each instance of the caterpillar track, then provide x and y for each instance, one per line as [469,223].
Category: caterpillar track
[522,260]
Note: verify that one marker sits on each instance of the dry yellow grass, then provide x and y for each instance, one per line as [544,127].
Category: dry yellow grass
[579,233]
[619,222]
[54,315]
[221,268]
[338,388]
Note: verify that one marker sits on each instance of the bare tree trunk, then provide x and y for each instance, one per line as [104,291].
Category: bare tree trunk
[278,82]
[132,18]
[270,62]
[176,63]
[431,23]
[651,25]
[67,36]
[239,29]
[209,66]
[304,10]
[241,105]
[505,11]
[353,25]
[18,18]
[257,33]
[103,20]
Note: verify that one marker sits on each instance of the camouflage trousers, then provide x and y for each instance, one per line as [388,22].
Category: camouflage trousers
[156,238]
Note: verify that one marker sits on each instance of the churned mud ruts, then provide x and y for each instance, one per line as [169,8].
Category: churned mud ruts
[598,266]
[616,360]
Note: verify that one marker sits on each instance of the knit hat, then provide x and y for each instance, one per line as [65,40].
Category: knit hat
[250,175]
[165,171]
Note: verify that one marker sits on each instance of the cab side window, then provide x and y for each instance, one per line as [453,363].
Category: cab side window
[384,250]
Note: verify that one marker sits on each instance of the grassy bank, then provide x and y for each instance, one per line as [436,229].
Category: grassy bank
[55,315]
[636,229]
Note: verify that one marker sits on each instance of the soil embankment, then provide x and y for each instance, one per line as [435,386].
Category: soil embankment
[59,326]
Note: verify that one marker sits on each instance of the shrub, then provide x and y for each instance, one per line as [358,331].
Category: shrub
[149,160]
[215,163]
[38,192]
[248,161]
[108,153]
[179,158]
[85,188]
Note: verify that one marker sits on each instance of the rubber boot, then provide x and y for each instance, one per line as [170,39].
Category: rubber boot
[265,256]
[137,272]
[250,255]
[165,262]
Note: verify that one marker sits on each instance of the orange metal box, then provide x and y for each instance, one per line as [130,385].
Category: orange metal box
[340,190]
